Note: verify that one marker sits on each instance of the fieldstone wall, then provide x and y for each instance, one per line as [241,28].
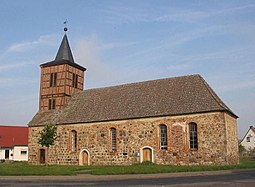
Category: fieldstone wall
[216,141]
[231,140]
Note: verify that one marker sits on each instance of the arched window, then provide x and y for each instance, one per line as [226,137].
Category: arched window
[113,138]
[74,140]
[193,136]
[163,137]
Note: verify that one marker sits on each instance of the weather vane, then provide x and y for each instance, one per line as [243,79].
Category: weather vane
[65,23]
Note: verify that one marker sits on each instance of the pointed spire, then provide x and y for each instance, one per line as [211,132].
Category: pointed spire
[64,51]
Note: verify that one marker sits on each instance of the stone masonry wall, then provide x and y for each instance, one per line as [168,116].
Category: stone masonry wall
[133,135]
[231,140]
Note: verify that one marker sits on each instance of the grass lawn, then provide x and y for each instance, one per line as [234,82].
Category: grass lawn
[19,168]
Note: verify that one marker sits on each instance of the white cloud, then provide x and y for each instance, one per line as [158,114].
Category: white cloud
[173,41]
[184,16]
[13,82]
[179,67]
[110,46]
[5,81]
[87,54]
[121,14]
[25,46]
[237,86]
[192,15]
[13,66]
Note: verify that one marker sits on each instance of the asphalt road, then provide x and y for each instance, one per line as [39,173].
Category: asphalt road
[242,178]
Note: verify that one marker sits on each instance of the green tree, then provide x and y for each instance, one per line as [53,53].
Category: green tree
[47,137]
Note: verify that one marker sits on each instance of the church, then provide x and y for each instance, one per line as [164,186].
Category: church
[176,121]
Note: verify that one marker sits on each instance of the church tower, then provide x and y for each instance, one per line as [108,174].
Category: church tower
[60,78]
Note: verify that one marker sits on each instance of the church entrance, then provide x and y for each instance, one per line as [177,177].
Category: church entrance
[147,155]
[84,158]
[42,156]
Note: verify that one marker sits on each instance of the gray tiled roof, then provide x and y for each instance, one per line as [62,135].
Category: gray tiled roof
[64,56]
[64,51]
[163,97]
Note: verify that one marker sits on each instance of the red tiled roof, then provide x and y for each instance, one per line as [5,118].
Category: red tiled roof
[13,135]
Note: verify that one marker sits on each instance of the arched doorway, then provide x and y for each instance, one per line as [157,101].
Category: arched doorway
[42,156]
[146,154]
[84,158]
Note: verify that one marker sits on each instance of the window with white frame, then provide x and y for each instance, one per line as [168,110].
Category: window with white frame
[23,152]
[193,136]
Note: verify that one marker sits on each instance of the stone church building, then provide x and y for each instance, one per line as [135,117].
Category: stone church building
[178,121]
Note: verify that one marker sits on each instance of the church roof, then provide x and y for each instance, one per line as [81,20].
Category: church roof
[156,98]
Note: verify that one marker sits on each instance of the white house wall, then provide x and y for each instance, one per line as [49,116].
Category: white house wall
[18,156]
[251,144]
[2,153]
[14,153]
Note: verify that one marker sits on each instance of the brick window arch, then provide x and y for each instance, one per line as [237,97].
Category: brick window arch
[163,136]
[73,140]
[193,136]
[113,139]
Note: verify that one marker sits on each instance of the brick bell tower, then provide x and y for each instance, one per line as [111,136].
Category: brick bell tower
[60,78]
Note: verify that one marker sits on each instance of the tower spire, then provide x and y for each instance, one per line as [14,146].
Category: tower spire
[64,51]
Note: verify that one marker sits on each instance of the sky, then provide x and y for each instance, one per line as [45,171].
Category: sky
[121,41]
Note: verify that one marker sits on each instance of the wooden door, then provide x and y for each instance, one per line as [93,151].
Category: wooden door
[147,156]
[85,158]
[42,156]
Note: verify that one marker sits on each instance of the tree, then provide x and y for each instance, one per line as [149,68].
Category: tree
[47,136]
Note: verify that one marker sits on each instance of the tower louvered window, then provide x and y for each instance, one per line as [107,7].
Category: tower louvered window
[193,136]
[53,79]
[163,137]
[75,81]
[52,104]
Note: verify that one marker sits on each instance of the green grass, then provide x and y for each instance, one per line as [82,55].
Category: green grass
[21,168]
[153,168]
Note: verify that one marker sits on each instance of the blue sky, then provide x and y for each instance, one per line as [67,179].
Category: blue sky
[129,41]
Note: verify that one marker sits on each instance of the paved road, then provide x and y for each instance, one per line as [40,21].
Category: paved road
[240,178]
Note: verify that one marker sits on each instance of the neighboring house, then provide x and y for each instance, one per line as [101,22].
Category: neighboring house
[178,121]
[248,140]
[14,143]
